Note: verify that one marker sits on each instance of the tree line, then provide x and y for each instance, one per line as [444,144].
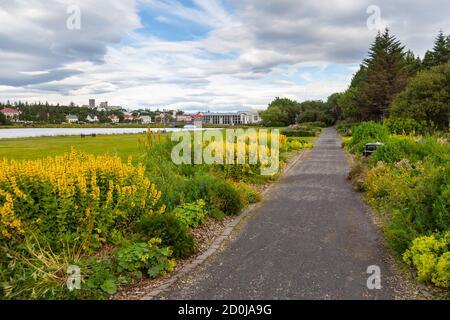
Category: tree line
[390,82]
[40,112]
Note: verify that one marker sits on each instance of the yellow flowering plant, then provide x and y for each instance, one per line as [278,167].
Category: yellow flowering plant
[73,195]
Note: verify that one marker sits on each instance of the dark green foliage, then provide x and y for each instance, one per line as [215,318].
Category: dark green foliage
[368,132]
[299,133]
[219,194]
[280,111]
[405,125]
[397,148]
[440,53]
[3,119]
[283,112]
[386,76]
[171,231]
[426,97]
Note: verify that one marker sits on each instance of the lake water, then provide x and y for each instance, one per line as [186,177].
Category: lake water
[44,132]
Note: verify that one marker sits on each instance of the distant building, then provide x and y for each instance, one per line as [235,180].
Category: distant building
[231,118]
[104,104]
[10,113]
[71,118]
[128,116]
[114,118]
[92,118]
[145,119]
[197,119]
[92,103]
[163,117]
[184,118]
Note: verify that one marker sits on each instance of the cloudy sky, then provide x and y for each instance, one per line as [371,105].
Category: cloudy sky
[198,54]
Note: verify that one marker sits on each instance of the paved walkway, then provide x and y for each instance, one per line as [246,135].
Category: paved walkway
[311,239]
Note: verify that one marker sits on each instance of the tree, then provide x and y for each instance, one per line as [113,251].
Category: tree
[412,63]
[426,97]
[349,104]
[333,105]
[386,76]
[280,112]
[3,119]
[350,101]
[440,53]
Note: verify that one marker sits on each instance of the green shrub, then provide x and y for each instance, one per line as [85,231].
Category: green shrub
[99,278]
[295,145]
[368,132]
[405,125]
[398,148]
[431,257]
[248,194]
[218,193]
[145,256]
[415,196]
[315,124]
[191,214]
[171,231]
[299,133]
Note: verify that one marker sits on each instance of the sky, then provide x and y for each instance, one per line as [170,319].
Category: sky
[197,55]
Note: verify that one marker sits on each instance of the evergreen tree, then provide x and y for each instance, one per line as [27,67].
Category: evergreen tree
[440,53]
[441,49]
[386,76]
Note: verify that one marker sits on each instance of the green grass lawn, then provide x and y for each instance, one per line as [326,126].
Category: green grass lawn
[121,145]
[39,147]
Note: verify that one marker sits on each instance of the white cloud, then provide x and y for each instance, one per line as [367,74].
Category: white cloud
[251,54]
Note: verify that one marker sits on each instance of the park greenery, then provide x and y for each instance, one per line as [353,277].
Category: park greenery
[404,102]
[116,219]
[390,82]
[408,181]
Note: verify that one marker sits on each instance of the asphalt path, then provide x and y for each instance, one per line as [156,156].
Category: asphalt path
[311,238]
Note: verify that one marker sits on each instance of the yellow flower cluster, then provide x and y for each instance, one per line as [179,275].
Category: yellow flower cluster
[100,181]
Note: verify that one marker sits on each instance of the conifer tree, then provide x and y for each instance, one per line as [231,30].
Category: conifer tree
[386,76]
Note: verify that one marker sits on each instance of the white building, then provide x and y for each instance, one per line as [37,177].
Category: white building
[145,119]
[10,113]
[230,118]
[92,118]
[71,118]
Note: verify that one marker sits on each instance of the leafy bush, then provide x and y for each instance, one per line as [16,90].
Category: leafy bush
[219,194]
[192,214]
[368,132]
[412,149]
[171,231]
[314,124]
[295,145]
[426,97]
[416,196]
[299,133]
[73,196]
[431,256]
[147,256]
[99,278]
[249,195]
[405,125]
